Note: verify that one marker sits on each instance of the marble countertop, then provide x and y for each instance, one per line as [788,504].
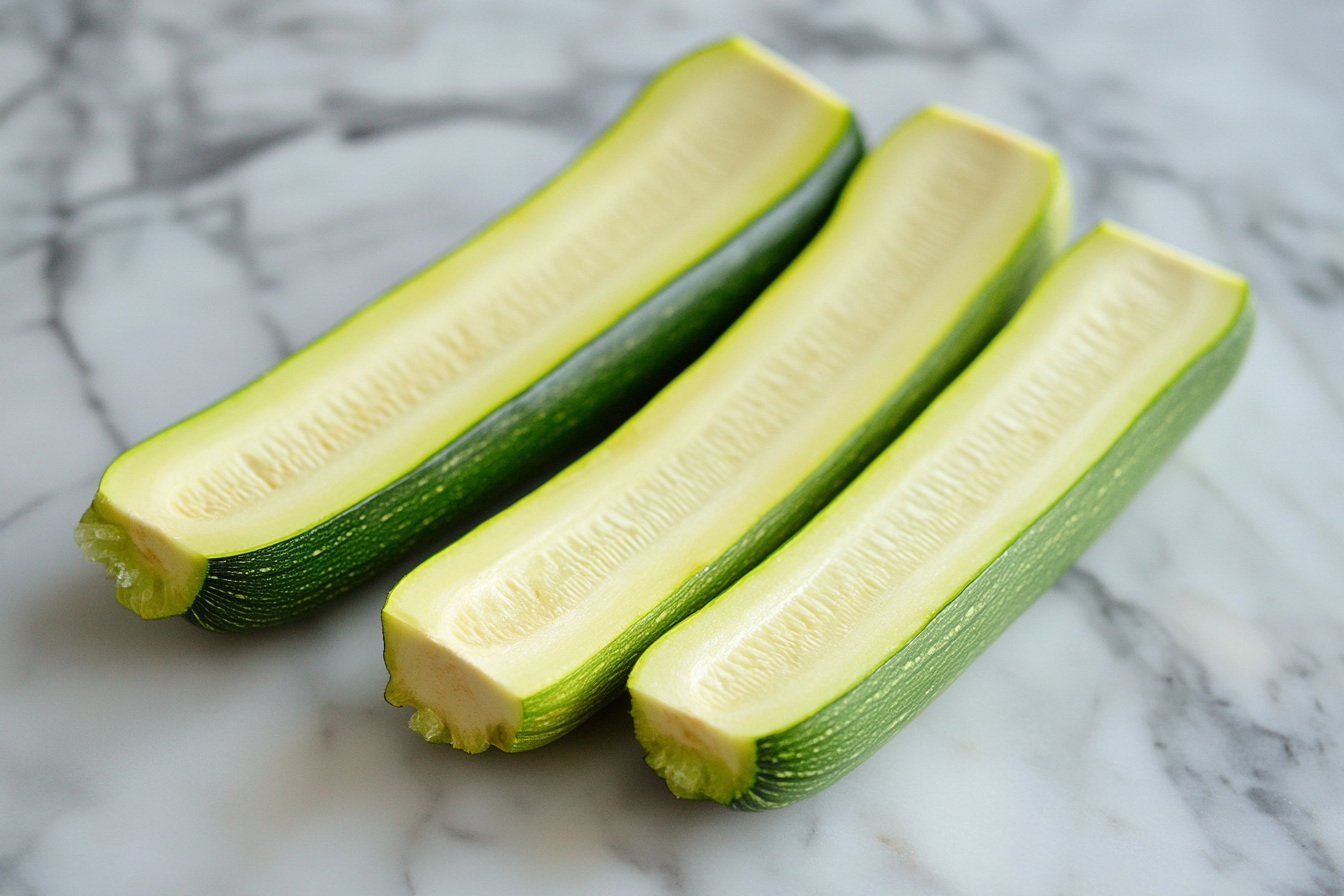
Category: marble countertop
[189,190]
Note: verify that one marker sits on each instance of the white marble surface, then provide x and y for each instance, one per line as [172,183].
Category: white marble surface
[190,189]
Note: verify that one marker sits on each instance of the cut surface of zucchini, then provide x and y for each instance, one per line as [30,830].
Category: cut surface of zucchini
[810,663]
[525,344]
[517,632]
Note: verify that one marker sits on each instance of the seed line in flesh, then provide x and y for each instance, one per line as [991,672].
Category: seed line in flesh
[526,592]
[690,163]
[939,501]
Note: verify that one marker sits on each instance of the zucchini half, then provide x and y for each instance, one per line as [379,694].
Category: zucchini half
[814,660]
[517,350]
[516,633]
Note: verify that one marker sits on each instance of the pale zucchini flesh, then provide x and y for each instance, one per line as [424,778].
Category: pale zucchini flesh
[809,664]
[515,351]
[517,632]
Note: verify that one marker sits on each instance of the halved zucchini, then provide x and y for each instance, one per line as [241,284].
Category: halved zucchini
[523,346]
[807,665]
[516,633]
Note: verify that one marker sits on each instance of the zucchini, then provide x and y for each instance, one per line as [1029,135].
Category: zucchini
[519,349]
[814,660]
[516,633]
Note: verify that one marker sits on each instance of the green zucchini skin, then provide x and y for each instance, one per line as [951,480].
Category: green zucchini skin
[812,755]
[550,423]
[550,713]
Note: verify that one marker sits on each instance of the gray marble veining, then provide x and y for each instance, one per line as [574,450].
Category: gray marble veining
[188,191]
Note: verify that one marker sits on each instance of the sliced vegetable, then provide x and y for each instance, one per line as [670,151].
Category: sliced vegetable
[517,350]
[516,633]
[807,665]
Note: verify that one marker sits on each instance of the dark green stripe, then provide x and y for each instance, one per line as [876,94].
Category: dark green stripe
[534,434]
